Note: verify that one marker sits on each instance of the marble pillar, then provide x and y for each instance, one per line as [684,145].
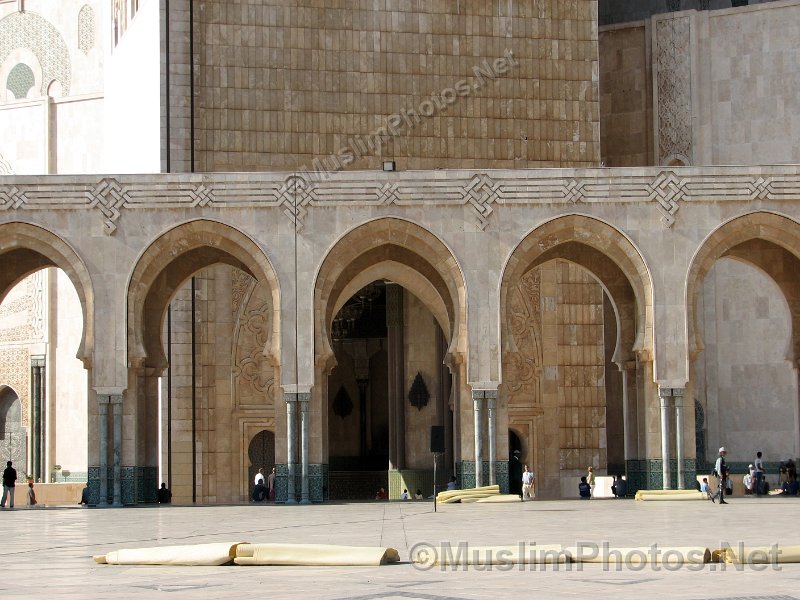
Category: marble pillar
[303,400]
[291,444]
[665,394]
[491,404]
[102,422]
[116,448]
[677,399]
[477,403]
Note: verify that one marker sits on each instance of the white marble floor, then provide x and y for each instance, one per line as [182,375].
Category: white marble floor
[47,552]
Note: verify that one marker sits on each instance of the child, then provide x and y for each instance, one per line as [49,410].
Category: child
[704,487]
[31,495]
[584,489]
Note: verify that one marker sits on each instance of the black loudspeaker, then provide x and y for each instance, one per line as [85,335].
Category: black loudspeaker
[437,438]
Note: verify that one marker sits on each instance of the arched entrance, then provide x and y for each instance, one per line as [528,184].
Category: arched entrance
[46,324]
[13,441]
[391,298]
[576,342]
[203,341]
[743,295]
[261,454]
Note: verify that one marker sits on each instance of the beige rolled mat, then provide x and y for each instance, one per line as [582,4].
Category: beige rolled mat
[314,555]
[221,553]
[669,495]
[500,498]
[669,555]
[463,555]
[451,496]
[758,555]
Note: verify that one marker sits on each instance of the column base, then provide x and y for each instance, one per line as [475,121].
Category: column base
[465,474]
[139,486]
[648,474]
[317,484]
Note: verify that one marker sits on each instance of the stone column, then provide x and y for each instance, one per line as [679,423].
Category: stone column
[630,410]
[291,443]
[102,422]
[38,443]
[677,398]
[491,403]
[664,394]
[116,403]
[395,350]
[304,418]
[477,403]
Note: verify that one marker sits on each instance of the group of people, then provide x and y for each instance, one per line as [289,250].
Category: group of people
[264,487]
[754,481]
[9,487]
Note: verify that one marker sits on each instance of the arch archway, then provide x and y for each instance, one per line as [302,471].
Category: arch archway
[411,261]
[233,271]
[26,248]
[13,440]
[743,296]
[576,326]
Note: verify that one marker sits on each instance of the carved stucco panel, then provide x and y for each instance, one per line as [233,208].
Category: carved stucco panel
[673,73]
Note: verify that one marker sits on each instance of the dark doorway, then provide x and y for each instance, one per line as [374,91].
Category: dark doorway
[261,454]
[514,464]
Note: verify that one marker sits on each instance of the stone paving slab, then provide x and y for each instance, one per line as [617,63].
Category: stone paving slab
[47,552]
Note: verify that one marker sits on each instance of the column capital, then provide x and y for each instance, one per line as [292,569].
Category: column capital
[292,397]
[300,388]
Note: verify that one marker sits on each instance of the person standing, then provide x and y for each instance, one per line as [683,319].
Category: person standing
[758,471]
[9,481]
[271,485]
[528,479]
[590,477]
[259,477]
[721,473]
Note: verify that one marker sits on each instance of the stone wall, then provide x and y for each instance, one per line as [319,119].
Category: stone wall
[722,85]
[281,85]
[626,97]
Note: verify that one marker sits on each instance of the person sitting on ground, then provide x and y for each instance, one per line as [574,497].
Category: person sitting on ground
[164,495]
[404,495]
[791,487]
[747,480]
[451,485]
[85,496]
[260,491]
[620,487]
[381,495]
[31,495]
[418,495]
[584,489]
[706,489]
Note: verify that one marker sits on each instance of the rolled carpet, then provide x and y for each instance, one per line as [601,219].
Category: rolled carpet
[669,495]
[314,555]
[464,554]
[500,498]
[758,555]
[221,553]
[674,555]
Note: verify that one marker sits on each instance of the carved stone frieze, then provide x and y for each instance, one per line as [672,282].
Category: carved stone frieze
[673,73]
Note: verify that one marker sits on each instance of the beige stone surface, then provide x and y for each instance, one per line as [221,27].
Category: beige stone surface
[280,85]
[75,535]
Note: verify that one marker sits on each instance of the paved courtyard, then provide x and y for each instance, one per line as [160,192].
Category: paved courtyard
[47,552]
